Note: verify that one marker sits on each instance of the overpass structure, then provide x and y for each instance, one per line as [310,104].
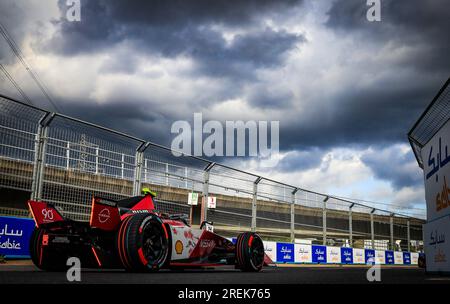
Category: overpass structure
[63,160]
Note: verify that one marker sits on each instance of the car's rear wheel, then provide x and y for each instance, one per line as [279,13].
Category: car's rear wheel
[41,255]
[249,252]
[142,243]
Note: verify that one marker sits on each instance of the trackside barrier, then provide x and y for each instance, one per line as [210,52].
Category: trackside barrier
[15,235]
[319,254]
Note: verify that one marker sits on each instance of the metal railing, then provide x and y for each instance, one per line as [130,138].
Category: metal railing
[52,157]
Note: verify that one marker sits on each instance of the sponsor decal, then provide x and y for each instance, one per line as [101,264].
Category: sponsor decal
[207,243]
[140,211]
[104,215]
[179,247]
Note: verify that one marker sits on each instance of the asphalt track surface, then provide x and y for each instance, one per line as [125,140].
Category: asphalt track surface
[26,273]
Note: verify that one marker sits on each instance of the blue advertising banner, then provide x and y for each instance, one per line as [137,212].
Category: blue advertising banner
[319,254]
[389,257]
[285,252]
[407,258]
[15,235]
[346,255]
[369,256]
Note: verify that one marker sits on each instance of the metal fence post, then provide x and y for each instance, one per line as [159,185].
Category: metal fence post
[324,220]
[167,174]
[391,228]
[350,224]
[206,189]
[293,215]
[96,160]
[408,235]
[254,202]
[139,157]
[39,158]
[68,155]
[372,230]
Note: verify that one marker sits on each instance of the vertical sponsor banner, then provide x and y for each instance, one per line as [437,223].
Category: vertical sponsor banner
[398,258]
[380,257]
[389,257]
[346,255]
[407,258]
[319,254]
[15,236]
[414,258]
[437,244]
[303,253]
[270,248]
[285,253]
[358,256]
[369,256]
[333,255]
[436,170]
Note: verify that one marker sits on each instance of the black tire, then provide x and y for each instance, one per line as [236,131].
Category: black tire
[249,252]
[42,256]
[142,243]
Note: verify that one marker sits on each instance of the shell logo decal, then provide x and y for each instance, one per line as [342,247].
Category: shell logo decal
[179,247]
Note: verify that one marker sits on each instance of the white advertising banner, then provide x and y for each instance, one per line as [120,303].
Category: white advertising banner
[303,253]
[270,248]
[358,256]
[437,248]
[380,257]
[398,258]
[414,258]
[436,169]
[333,255]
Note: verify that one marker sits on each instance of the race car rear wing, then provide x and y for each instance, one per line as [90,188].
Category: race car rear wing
[105,214]
[44,213]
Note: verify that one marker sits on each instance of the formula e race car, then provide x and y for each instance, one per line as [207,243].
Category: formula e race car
[131,234]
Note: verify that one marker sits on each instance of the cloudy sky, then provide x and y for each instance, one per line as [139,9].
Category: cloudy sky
[346,91]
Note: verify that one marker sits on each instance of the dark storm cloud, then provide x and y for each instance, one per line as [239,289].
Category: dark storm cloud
[422,25]
[172,28]
[381,114]
[129,117]
[301,160]
[402,86]
[395,166]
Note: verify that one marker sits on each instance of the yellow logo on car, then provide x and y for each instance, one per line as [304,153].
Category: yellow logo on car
[179,247]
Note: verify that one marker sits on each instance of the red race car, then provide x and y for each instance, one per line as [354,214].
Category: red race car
[131,234]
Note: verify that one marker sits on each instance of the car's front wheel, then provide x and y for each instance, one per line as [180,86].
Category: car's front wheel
[249,252]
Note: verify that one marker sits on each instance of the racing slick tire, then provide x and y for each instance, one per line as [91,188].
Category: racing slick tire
[249,252]
[142,243]
[42,256]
